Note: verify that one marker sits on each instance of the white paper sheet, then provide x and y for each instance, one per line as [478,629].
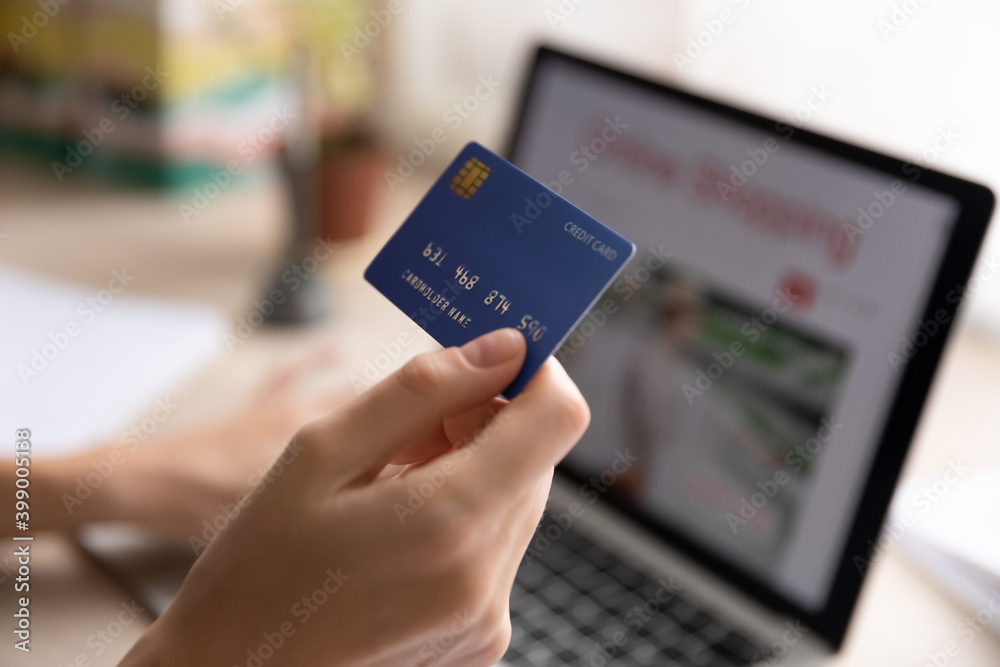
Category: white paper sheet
[77,391]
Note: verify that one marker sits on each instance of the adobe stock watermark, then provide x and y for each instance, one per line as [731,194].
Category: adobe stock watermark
[921,503]
[898,17]
[224,7]
[248,149]
[711,30]
[374,369]
[365,34]
[637,617]
[751,330]
[303,611]
[758,156]
[610,130]
[453,118]
[818,96]
[257,484]
[970,628]
[599,484]
[439,304]
[563,12]
[626,286]
[438,646]
[44,355]
[103,638]
[581,158]
[606,653]
[776,651]
[87,485]
[795,460]
[927,329]
[424,483]
[293,278]
[36,22]
[121,108]
[550,533]
[883,200]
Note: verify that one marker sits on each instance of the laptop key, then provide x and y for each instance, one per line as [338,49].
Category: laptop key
[521,599]
[614,597]
[663,624]
[541,656]
[714,632]
[580,571]
[665,637]
[738,649]
[534,575]
[611,628]
[627,576]
[558,592]
[568,657]
[644,653]
[557,554]
[571,641]
[550,625]
[694,650]
[600,557]
[585,611]
[683,612]
[625,659]
[589,583]
[716,660]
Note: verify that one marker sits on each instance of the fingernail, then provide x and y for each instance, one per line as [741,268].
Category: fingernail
[492,349]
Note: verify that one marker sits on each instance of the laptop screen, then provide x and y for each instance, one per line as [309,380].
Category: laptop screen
[741,370]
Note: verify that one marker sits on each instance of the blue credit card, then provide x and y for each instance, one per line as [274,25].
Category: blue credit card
[490,247]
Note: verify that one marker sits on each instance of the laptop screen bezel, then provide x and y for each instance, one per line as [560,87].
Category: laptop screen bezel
[975,209]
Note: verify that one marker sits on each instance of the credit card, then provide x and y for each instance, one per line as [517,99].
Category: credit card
[490,247]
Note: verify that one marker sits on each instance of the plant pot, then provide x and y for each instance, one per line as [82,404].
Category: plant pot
[348,185]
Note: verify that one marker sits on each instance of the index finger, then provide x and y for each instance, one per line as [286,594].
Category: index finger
[526,439]
[387,419]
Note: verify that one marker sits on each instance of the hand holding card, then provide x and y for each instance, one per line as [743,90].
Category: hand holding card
[490,247]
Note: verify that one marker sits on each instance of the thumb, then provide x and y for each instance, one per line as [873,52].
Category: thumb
[412,402]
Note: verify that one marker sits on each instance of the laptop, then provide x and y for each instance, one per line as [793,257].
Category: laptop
[755,375]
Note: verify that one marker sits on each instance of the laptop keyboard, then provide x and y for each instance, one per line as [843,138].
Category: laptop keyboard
[576,603]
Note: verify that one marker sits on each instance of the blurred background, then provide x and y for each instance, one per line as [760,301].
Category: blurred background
[210,150]
[163,94]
